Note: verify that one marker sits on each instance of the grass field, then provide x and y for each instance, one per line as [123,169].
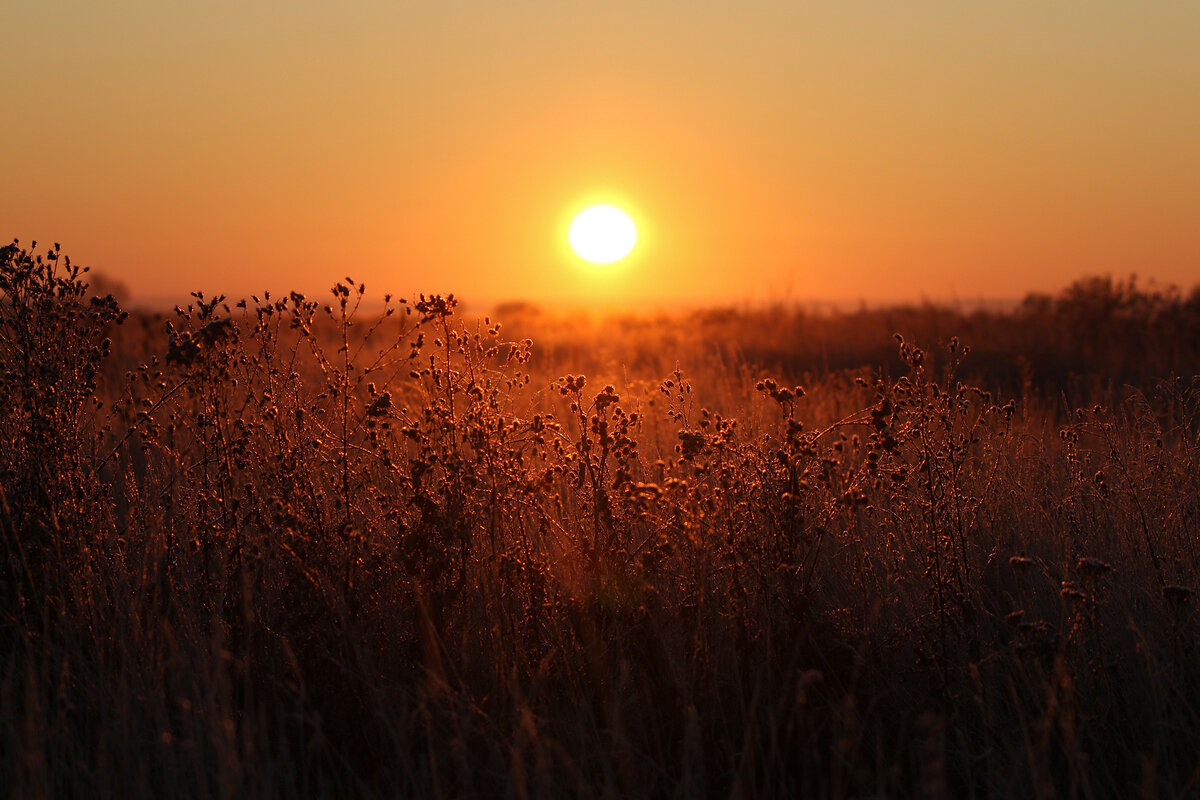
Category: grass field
[289,548]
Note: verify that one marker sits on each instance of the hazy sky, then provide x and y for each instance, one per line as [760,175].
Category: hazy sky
[799,150]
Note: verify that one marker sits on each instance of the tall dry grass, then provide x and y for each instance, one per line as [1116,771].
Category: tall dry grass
[288,548]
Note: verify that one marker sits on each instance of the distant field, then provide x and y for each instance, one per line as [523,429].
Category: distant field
[291,549]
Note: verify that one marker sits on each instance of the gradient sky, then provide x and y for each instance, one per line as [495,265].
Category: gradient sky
[767,150]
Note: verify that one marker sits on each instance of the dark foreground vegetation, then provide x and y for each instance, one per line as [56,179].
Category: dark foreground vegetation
[290,549]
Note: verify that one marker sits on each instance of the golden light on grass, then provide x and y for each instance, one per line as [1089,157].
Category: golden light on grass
[602,234]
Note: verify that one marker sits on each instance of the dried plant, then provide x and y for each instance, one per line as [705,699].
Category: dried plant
[286,547]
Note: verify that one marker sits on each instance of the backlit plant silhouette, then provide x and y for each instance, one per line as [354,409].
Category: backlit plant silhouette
[292,547]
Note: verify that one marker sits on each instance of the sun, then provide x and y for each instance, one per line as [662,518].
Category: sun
[602,234]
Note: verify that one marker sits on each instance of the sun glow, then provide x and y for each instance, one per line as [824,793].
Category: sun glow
[602,234]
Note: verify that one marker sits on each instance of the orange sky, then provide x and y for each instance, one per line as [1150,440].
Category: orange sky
[767,150]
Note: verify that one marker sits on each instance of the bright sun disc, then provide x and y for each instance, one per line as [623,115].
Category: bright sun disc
[602,234]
